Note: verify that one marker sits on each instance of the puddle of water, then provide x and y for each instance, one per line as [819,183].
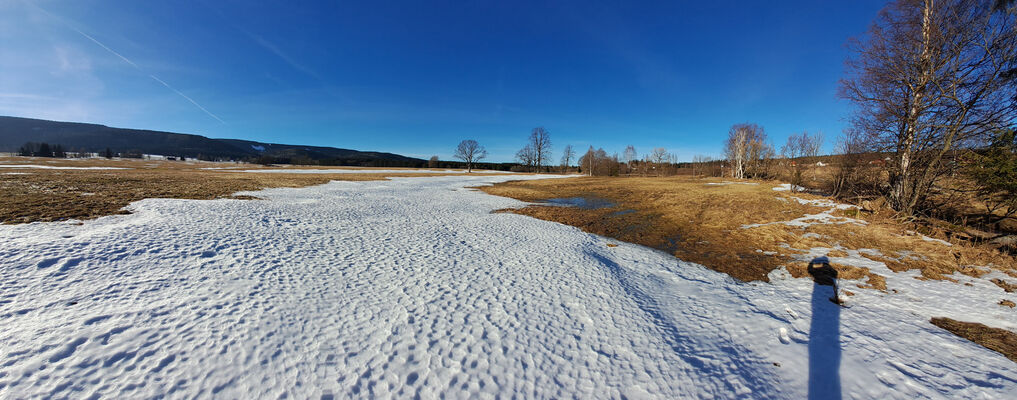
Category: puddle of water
[623,212]
[586,203]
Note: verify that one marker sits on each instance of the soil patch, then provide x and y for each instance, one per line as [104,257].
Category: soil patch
[995,339]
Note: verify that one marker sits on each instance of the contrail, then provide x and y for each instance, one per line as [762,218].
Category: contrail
[188,98]
[129,62]
[104,46]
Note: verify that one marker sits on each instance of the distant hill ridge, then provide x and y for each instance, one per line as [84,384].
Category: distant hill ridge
[75,136]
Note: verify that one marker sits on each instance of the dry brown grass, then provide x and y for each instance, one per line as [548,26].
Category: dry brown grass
[1007,303]
[31,194]
[995,339]
[1006,286]
[702,223]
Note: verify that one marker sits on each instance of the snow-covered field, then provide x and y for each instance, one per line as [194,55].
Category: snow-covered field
[413,288]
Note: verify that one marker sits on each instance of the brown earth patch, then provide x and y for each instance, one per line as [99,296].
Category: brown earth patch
[1007,303]
[995,339]
[1007,286]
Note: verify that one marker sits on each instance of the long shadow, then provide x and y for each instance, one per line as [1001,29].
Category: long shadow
[680,342]
[824,333]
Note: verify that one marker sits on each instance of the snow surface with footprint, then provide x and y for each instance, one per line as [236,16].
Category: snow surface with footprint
[412,287]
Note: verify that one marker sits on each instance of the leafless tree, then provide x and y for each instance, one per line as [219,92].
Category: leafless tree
[659,155]
[699,164]
[540,146]
[812,144]
[566,158]
[745,147]
[792,152]
[470,151]
[598,163]
[433,162]
[736,149]
[629,156]
[850,147]
[527,156]
[931,78]
[656,160]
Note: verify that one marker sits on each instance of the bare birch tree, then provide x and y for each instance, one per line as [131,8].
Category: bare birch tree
[932,77]
[629,156]
[470,151]
[745,146]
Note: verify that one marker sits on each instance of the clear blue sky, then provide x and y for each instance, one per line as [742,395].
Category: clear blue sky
[416,77]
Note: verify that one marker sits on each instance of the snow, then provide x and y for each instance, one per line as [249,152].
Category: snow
[258,147]
[934,240]
[52,167]
[413,287]
[725,183]
[825,217]
[364,171]
[785,187]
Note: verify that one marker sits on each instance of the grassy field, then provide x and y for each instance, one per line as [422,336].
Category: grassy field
[36,194]
[737,227]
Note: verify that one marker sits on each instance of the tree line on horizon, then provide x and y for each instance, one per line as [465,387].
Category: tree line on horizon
[32,149]
[537,156]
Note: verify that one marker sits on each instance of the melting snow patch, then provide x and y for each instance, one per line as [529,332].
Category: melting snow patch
[934,240]
[825,217]
[729,183]
[784,187]
[824,203]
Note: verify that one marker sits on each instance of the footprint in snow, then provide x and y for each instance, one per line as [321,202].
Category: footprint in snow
[783,335]
[49,262]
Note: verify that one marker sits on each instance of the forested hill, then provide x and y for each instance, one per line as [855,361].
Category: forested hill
[80,137]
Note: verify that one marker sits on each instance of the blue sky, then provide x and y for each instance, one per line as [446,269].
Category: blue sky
[415,77]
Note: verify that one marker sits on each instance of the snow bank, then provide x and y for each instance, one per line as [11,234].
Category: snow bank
[785,187]
[412,287]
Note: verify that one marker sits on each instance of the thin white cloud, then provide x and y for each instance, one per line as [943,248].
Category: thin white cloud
[127,60]
[271,47]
